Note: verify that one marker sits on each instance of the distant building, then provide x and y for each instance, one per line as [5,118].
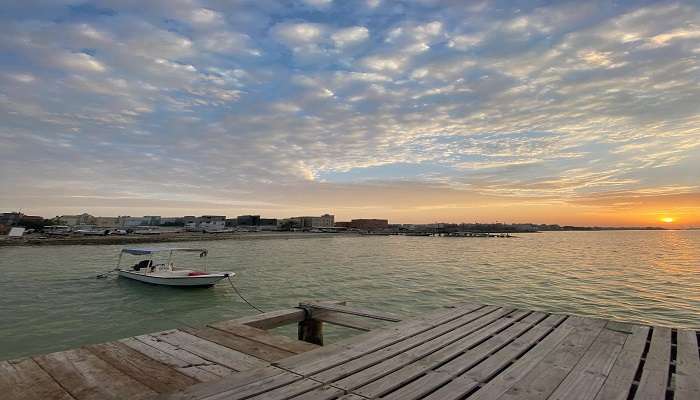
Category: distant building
[308,222]
[212,222]
[248,220]
[74,220]
[10,218]
[126,221]
[151,220]
[369,224]
[269,224]
[268,221]
[106,222]
[171,221]
[190,222]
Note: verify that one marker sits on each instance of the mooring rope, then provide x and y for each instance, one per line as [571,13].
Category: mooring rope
[241,296]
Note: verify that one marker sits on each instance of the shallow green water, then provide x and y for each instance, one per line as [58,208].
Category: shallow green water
[48,304]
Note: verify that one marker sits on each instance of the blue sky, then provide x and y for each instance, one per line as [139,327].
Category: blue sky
[469,108]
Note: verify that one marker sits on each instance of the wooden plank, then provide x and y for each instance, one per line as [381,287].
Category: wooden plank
[485,370]
[258,387]
[617,385]
[87,377]
[654,379]
[24,380]
[186,356]
[361,312]
[463,384]
[518,370]
[244,345]
[544,378]
[421,363]
[273,319]
[587,377]
[472,357]
[182,366]
[418,388]
[324,392]
[262,336]
[687,366]
[289,391]
[315,361]
[211,351]
[228,384]
[158,376]
[344,320]
[422,342]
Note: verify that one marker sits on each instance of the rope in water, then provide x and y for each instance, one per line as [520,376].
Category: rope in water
[241,296]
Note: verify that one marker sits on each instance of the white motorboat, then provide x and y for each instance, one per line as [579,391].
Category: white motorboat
[166,273]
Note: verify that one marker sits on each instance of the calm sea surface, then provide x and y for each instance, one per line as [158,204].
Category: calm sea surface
[49,302]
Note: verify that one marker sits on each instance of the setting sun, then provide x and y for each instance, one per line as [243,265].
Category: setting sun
[667,220]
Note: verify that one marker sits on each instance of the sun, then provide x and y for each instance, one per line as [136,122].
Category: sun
[667,220]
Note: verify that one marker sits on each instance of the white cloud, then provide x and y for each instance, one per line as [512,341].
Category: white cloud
[350,36]
[296,34]
[80,62]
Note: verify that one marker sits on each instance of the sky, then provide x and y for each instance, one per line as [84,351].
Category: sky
[575,112]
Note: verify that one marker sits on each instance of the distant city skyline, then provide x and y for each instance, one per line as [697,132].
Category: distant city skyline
[551,112]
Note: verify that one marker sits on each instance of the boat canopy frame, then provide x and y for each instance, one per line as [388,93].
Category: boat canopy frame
[170,250]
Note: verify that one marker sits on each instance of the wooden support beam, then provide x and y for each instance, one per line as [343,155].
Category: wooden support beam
[311,330]
[347,321]
[272,319]
[383,316]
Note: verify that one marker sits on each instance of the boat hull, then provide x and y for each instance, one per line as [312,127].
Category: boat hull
[183,281]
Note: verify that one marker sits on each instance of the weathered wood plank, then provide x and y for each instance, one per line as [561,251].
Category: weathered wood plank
[421,363]
[87,377]
[518,370]
[289,391]
[282,381]
[186,356]
[24,380]
[419,387]
[211,351]
[618,383]
[654,379]
[544,378]
[463,384]
[485,370]
[182,366]
[421,343]
[477,354]
[259,335]
[157,376]
[361,312]
[586,378]
[315,361]
[229,384]
[272,319]
[325,392]
[687,366]
[347,321]
[244,345]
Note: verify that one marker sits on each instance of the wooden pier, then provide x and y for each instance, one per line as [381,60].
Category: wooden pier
[467,351]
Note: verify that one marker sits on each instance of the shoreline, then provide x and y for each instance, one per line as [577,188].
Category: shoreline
[163,237]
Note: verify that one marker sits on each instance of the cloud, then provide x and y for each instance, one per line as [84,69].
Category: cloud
[559,104]
[79,62]
[350,36]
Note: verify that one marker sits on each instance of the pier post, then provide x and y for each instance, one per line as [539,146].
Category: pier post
[310,330]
